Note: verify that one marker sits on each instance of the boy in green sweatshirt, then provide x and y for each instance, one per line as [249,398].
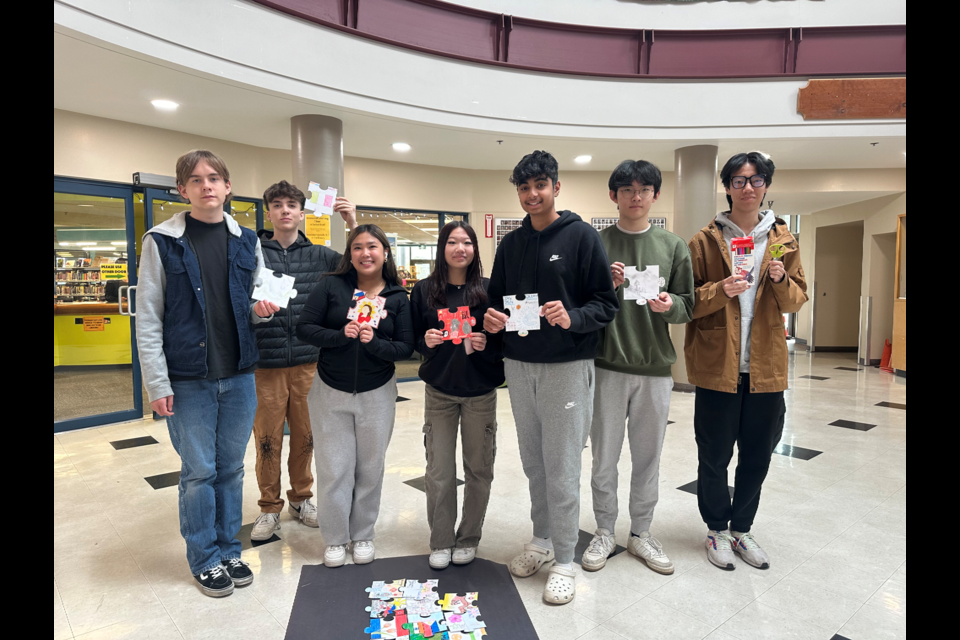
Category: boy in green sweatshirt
[653,274]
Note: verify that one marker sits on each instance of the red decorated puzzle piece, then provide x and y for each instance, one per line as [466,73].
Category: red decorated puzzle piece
[457,325]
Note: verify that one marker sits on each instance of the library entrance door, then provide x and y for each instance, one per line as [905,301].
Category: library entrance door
[96,373]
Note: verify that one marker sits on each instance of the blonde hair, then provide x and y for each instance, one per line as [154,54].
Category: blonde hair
[189,161]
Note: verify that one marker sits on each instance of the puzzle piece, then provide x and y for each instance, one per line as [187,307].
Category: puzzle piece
[414,590]
[743,258]
[524,314]
[457,325]
[393,590]
[374,629]
[384,608]
[466,635]
[376,590]
[425,629]
[320,201]
[388,629]
[399,623]
[459,602]
[469,620]
[424,607]
[367,310]
[275,287]
[643,285]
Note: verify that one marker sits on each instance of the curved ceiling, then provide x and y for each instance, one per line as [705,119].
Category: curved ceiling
[238,80]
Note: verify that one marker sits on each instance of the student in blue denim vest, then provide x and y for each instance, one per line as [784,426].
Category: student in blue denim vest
[198,353]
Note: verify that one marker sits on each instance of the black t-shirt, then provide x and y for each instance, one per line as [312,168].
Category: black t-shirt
[209,243]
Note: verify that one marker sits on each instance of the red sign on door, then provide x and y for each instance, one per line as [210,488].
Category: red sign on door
[489,225]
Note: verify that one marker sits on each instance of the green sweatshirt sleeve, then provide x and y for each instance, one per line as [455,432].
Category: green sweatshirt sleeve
[680,287]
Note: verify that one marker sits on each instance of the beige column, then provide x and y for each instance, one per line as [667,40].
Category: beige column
[695,204]
[317,156]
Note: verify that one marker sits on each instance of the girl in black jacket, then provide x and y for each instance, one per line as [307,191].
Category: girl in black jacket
[353,400]
[461,392]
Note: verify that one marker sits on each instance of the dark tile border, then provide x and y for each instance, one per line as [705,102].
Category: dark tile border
[793,451]
[164,480]
[420,484]
[691,488]
[584,541]
[892,405]
[848,368]
[130,443]
[815,377]
[851,424]
[839,637]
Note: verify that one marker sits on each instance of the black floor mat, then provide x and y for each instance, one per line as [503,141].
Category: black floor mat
[331,603]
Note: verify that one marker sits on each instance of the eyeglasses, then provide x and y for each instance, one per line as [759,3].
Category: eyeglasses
[739,182]
[645,192]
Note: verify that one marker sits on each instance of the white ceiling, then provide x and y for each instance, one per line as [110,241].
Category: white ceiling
[102,81]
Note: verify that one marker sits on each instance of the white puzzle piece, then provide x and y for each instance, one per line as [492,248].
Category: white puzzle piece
[642,285]
[321,201]
[275,287]
[524,314]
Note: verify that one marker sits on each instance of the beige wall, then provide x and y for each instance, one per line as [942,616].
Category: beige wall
[879,216]
[883,270]
[839,263]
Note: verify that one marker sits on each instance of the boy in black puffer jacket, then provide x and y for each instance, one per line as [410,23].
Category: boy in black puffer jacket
[286,364]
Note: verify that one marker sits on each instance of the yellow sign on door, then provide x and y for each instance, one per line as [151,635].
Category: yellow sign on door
[113,271]
[93,323]
[318,230]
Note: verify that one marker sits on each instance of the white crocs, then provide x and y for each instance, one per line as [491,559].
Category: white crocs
[561,585]
[529,562]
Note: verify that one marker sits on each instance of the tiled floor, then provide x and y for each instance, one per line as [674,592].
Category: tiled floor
[835,526]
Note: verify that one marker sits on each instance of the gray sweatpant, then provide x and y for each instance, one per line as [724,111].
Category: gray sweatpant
[351,434]
[644,401]
[552,405]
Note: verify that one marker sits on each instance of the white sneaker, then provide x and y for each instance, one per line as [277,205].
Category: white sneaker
[720,549]
[749,550]
[648,549]
[305,512]
[363,552]
[600,548]
[440,559]
[464,555]
[264,526]
[335,555]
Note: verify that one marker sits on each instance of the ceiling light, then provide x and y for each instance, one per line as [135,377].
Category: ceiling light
[583,159]
[401,146]
[64,244]
[84,205]
[119,244]
[165,105]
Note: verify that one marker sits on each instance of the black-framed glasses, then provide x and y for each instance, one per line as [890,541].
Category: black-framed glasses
[630,192]
[757,181]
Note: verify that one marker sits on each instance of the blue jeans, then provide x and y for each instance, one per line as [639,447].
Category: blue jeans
[210,428]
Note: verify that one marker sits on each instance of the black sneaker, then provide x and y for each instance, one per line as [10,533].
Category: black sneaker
[239,571]
[215,583]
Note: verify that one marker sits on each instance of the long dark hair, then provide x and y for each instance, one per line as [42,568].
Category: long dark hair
[475,294]
[389,266]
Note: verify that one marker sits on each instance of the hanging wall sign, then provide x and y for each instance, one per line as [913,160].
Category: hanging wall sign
[317,230]
[488,225]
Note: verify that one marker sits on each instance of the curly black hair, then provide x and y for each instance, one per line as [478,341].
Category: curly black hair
[539,164]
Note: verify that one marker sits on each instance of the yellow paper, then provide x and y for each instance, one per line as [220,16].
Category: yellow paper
[113,271]
[318,230]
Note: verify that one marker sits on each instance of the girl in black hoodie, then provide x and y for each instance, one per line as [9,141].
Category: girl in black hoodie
[353,400]
[461,394]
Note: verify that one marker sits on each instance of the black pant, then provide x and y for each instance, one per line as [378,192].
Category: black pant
[755,422]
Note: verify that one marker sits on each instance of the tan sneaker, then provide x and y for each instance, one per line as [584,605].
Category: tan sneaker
[649,549]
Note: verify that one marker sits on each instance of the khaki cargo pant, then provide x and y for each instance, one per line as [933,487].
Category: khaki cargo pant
[282,394]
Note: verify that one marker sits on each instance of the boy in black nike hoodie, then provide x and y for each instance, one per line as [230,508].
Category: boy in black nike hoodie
[550,372]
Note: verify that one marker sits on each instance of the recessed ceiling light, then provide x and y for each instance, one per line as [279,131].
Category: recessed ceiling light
[165,105]
[401,146]
[84,205]
[583,159]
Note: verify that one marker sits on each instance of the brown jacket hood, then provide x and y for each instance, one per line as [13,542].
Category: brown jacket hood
[712,344]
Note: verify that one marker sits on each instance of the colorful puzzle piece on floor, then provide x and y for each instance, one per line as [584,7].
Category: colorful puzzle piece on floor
[642,285]
[469,620]
[374,629]
[367,310]
[425,607]
[524,314]
[457,324]
[383,608]
[459,602]
[415,590]
[466,635]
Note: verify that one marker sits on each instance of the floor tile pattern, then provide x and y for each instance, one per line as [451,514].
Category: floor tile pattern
[852,424]
[834,526]
[130,443]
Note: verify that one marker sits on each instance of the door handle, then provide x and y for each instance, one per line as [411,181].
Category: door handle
[120,291]
[131,307]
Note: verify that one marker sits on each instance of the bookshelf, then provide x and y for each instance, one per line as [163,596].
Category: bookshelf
[77,280]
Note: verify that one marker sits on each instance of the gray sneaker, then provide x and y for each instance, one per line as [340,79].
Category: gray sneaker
[264,527]
[600,548]
[305,512]
[749,551]
[649,549]
[719,549]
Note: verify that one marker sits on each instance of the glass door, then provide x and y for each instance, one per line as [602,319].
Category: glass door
[96,372]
